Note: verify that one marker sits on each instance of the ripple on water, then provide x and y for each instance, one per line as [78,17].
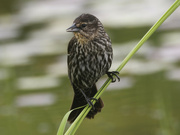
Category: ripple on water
[42,99]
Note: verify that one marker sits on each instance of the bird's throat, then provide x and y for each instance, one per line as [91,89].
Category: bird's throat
[81,38]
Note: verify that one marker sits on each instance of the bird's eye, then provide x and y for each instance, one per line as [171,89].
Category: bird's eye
[83,25]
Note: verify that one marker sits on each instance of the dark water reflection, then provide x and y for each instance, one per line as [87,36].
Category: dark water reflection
[35,92]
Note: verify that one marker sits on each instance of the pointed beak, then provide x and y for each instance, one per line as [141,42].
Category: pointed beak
[73,28]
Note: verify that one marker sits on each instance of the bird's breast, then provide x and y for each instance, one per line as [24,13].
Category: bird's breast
[87,63]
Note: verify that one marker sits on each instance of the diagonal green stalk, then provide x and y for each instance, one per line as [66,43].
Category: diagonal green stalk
[72,129]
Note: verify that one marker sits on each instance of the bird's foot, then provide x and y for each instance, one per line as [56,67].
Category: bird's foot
[89,101]
[113,75]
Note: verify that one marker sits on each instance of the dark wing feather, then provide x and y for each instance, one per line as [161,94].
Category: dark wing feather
[70,46]
[71,43]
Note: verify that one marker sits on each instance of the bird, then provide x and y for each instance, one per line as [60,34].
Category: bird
[89,57]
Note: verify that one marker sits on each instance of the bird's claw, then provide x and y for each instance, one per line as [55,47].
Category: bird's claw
[113,75]
[89,101]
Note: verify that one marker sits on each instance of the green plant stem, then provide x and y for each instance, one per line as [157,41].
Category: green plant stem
[72,129]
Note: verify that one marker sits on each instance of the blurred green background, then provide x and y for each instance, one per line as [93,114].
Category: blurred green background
[35,92]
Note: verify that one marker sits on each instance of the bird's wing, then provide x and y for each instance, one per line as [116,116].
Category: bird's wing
[69,51]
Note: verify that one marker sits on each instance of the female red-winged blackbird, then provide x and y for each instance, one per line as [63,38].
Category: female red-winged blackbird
[89,57]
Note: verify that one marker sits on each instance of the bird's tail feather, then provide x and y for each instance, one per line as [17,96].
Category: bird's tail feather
[79,100]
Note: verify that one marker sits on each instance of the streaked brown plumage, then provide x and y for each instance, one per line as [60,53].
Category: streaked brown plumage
[89,57]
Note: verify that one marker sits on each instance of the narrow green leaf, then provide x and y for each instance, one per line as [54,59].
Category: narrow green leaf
[74,126]
[62,126]
[63,123]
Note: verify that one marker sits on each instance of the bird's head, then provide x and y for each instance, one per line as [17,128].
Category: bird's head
[85,27]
